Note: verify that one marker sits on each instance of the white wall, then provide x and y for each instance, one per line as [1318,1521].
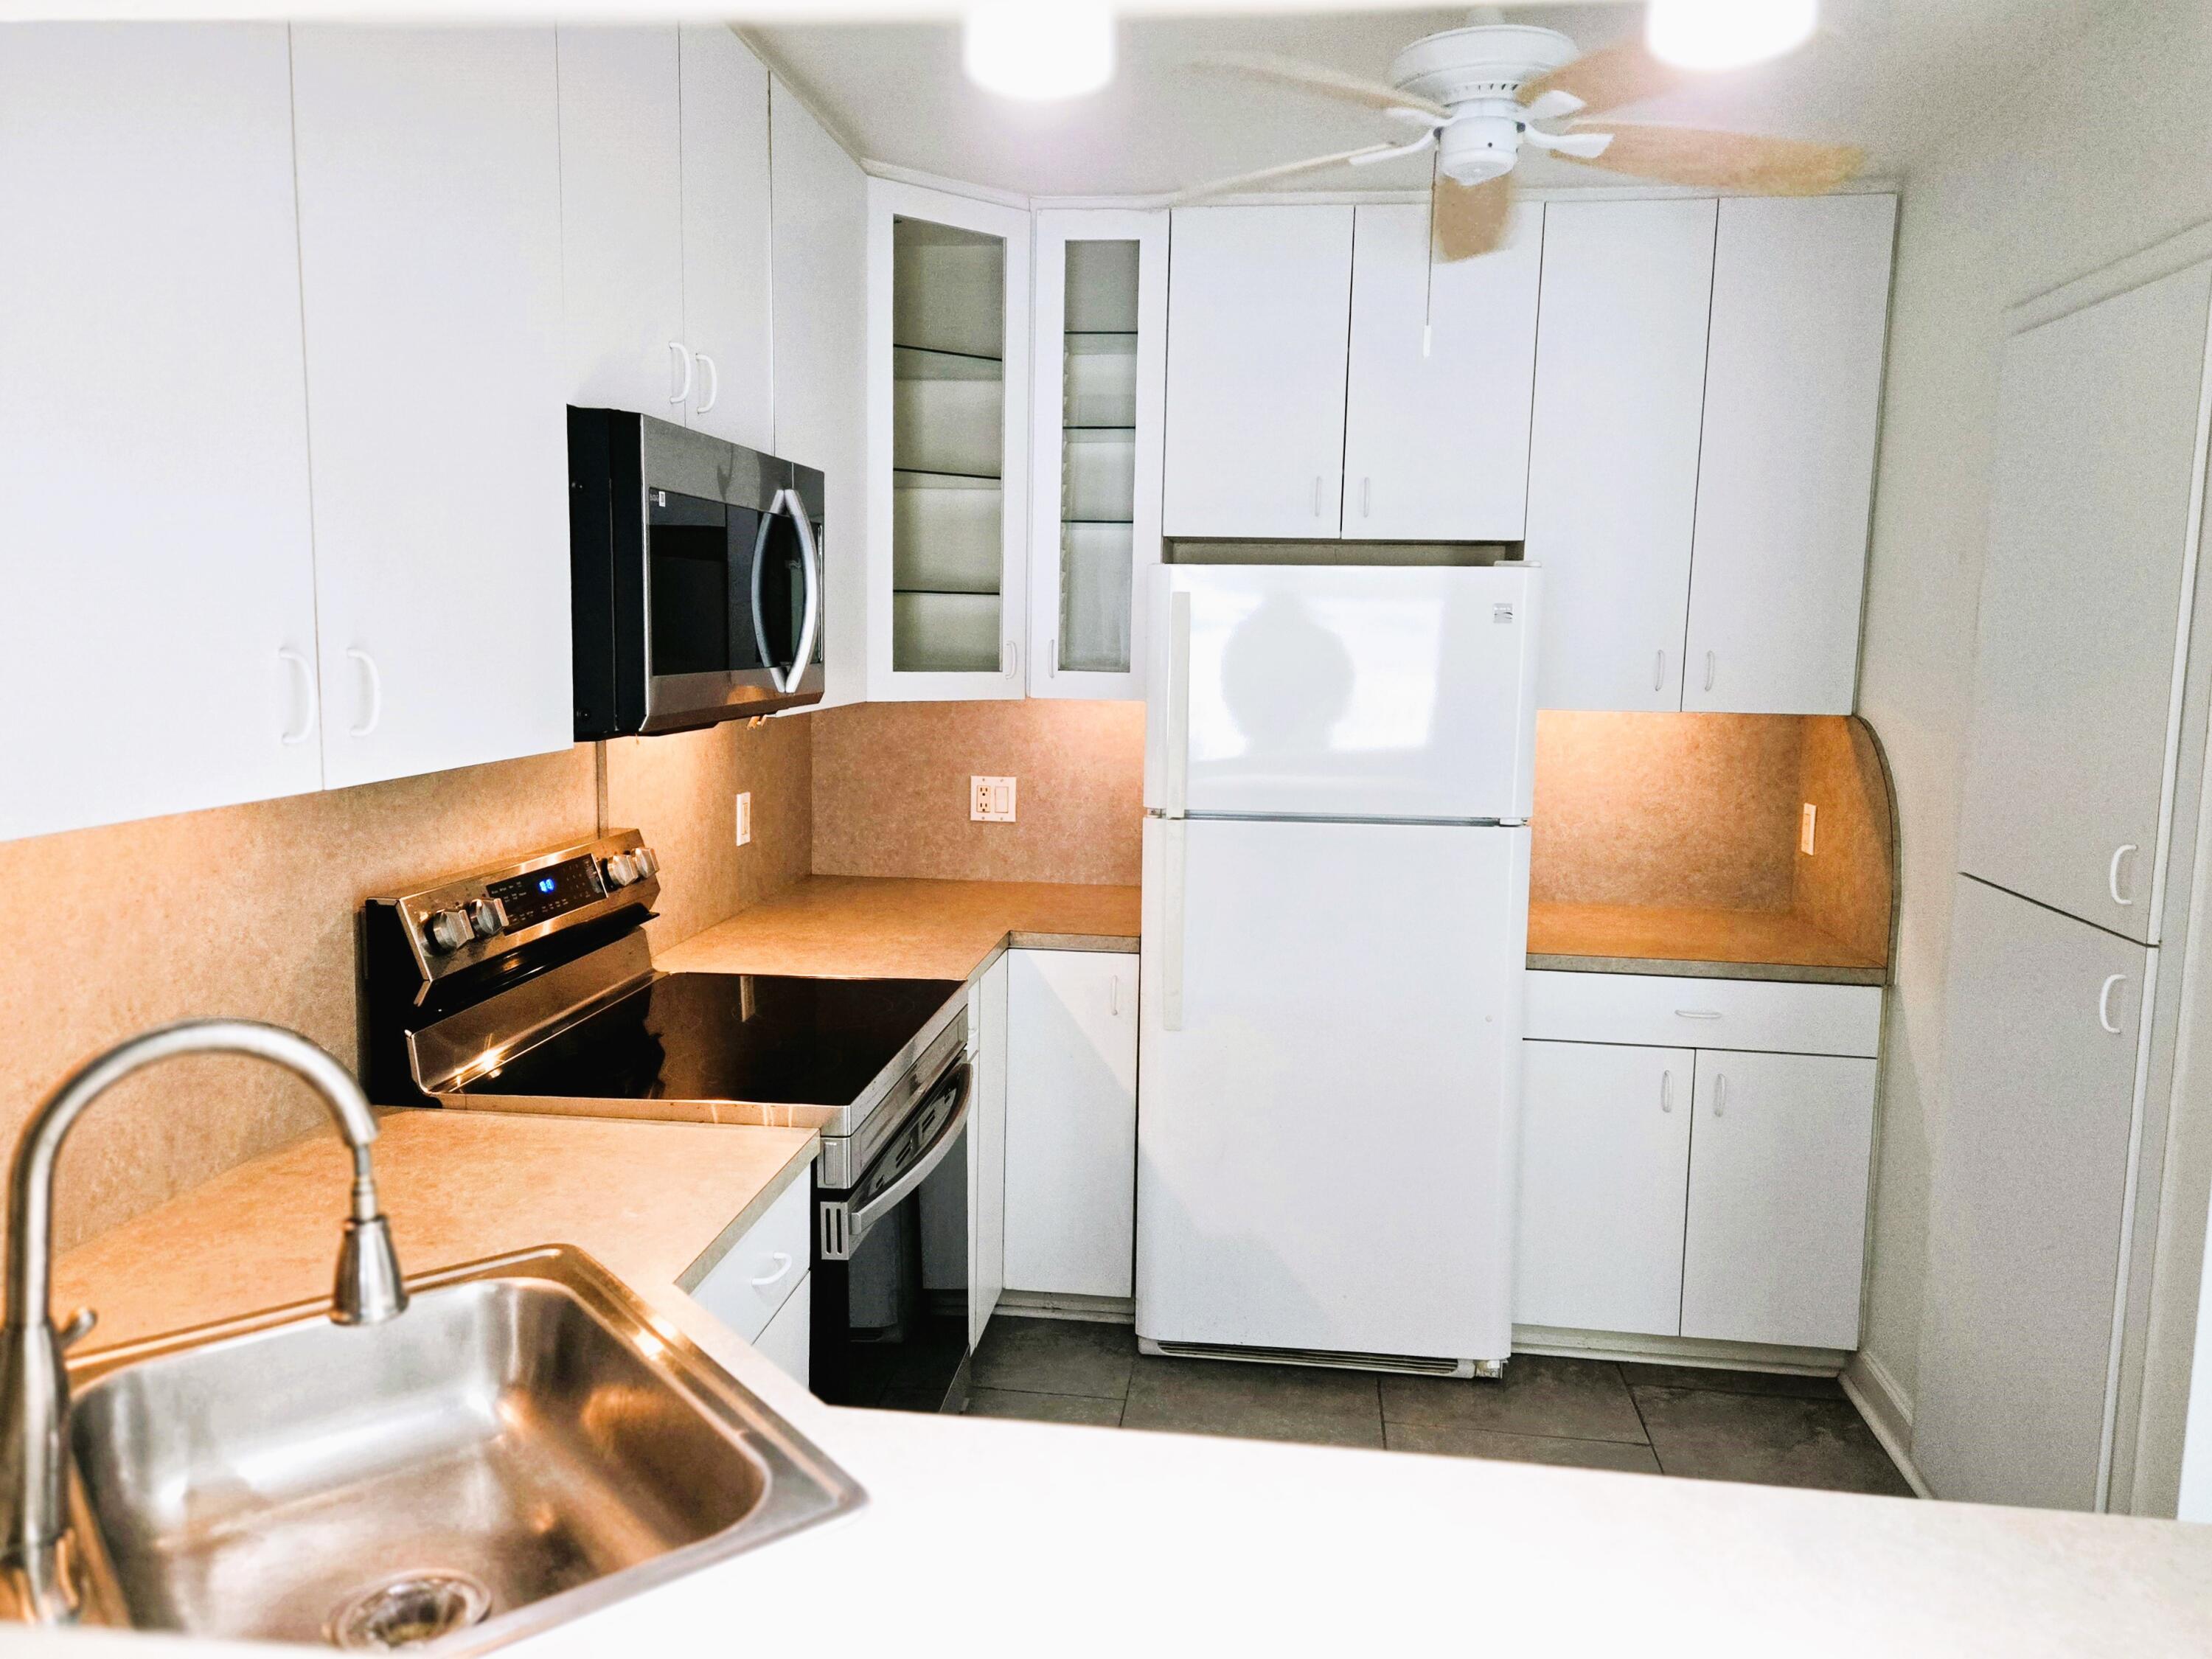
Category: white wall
[2104,148]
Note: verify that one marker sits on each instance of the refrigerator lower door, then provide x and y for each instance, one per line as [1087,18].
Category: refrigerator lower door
[1329,1086]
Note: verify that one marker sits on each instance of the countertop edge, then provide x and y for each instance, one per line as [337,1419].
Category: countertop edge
[794,1168]
[1689,967]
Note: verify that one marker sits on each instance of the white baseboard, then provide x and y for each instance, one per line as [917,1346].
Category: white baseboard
[1040,1304]
[1887,1411]
[1678,1350]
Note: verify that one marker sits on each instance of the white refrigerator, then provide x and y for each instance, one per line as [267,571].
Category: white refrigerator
[1339,770]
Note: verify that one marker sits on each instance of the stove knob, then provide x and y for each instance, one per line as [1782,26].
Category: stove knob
[621,870]
[448,930]
[648,862]
[487,916]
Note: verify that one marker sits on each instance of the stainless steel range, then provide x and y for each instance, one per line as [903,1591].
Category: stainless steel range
[529,985]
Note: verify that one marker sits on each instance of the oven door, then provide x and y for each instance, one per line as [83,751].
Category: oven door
[890,1313]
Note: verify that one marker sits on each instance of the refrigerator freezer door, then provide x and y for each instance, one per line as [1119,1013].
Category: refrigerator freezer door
[1329,1079]
[1342,692]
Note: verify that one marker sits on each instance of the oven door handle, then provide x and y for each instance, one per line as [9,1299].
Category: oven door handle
[787,502]
[844,1227]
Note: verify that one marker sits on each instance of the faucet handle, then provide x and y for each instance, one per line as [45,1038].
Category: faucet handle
[76,1328]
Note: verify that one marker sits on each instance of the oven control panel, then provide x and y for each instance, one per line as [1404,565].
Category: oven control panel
[541,895]
[472,918]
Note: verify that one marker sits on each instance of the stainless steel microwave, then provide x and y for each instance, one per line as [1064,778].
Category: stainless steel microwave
[696,577]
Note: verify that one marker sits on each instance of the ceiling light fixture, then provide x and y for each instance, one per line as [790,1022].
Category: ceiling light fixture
[1039,49]
[1719,34]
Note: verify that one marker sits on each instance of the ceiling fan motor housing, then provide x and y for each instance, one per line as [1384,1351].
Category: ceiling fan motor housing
[1479,73]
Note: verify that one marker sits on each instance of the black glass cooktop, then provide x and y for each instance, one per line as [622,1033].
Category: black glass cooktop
[732,1037]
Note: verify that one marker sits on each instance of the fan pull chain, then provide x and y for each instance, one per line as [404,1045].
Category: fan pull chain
[1429,270]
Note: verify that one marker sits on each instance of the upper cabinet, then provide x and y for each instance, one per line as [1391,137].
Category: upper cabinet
[1785,480]
[160,617]
[1096,451]
[1258,304]
[727,277]
[948,444]
[1613,461]
[1436,435]
[430,260]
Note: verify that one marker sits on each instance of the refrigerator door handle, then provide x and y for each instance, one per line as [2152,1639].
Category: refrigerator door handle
[1173,832]
[1176,784]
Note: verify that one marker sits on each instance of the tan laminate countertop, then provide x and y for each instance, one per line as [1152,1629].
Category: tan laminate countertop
[881,927]
[1641,939]
[658,1203]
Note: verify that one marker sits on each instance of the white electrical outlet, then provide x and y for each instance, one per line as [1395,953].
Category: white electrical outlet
[991,801]
[1805,828]
[746,818]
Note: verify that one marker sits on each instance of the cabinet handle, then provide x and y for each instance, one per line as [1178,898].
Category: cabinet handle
[681,367]
[1658,671]
[2104,1005]
[1720,1094]
[1011,657]
[1316,494]
[1711,663]
[1666,1091]
[714,383]
[1697,1014]
[1052,658]
[313,698]
[2112,874]
[782,1260]
[1113,995]
[375,683]
[1366,495]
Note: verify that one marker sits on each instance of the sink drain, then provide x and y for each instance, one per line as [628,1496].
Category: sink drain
[409,1610]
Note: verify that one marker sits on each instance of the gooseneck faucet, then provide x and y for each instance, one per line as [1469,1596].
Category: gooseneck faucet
[35,1575]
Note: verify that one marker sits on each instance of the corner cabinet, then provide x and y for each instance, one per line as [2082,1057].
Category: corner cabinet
[948,332]
[1095,450]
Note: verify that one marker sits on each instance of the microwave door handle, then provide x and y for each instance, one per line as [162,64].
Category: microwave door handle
[810,551]
[861,1221]
[760,630]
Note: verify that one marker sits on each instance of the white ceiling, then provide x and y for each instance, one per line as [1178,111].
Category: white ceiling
[1891,75]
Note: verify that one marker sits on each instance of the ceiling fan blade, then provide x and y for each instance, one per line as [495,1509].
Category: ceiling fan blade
[1608,78]
[1468,220]
[1284,170]
[1315,77]
[1730,161]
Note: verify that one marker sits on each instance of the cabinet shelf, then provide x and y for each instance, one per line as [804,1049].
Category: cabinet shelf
[1119,521]
[1096,426]
[920,473]
[933,363]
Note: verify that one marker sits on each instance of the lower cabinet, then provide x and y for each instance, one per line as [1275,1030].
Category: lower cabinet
[1071,1147]
[754,1287]
[785,1341]
[987,1147]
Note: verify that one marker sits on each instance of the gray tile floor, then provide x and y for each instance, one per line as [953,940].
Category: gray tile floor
[1658,1419]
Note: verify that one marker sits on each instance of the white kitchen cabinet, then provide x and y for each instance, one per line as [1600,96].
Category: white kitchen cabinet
[1071,1122]
[429,208]
[727,277]
[622,205]
[2090,568]
[1435,442]
[1775,1245]
[158,621]
[1095,450]
[1259,302]
[763,1270]
[2029,1201]
[1793,389]
[1612,458]
[987,1147]
[820,243]
[1664,1011]
[786,1341]
[1605,1146]
[948,334]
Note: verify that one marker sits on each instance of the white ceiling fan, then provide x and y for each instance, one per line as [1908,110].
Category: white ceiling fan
[1483,94]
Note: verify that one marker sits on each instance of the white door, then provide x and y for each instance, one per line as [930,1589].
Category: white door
[987,1148]
[1436,435]
[1329,1069]
[1071,1122]
[160,615]
[1320,691]
[429,177]
[2084,599]
[726,235]
[2026,1203]
[1775,1247]
[1785,483]
[1612,460]
[786,1341]
[1605,1152]
[1258,301]
[820,244]
[621,234]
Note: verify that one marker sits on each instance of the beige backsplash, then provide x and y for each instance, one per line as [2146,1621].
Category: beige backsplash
[249,910]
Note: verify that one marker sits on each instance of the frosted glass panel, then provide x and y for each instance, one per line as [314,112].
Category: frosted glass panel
[945,534]
[947,425]
[1098,457]
[1102,286]
[948,289]
[1095,570]
[1102,380]
[1099,477]
[944,633]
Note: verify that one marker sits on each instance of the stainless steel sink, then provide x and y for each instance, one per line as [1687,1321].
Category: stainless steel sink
[525,1443]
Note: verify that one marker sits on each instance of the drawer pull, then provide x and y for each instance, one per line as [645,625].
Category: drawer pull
[1666,1091]
[782,1260]
[1697,1014]
[1720,1094]
[2104,1021]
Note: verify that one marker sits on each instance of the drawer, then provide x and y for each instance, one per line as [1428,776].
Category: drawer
[1652,1010]
[765,1267]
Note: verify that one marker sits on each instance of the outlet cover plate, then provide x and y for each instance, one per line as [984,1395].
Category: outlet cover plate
[746,818]
[1805,828]
[991,801]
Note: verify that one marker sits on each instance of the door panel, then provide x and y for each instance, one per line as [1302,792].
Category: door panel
[2030,1181]
[2089,559]
[1776,1244]
[1436,408]
[726,235]
[1258,325]
[1071,1122]
[1605,1154]
[153,417]
[987,1147]
[1612,459]
[1326,1155]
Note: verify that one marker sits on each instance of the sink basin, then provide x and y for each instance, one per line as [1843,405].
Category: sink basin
[526,1442]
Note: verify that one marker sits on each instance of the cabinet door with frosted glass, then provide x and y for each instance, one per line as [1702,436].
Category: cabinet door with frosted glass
[948,444]
[1101,342]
